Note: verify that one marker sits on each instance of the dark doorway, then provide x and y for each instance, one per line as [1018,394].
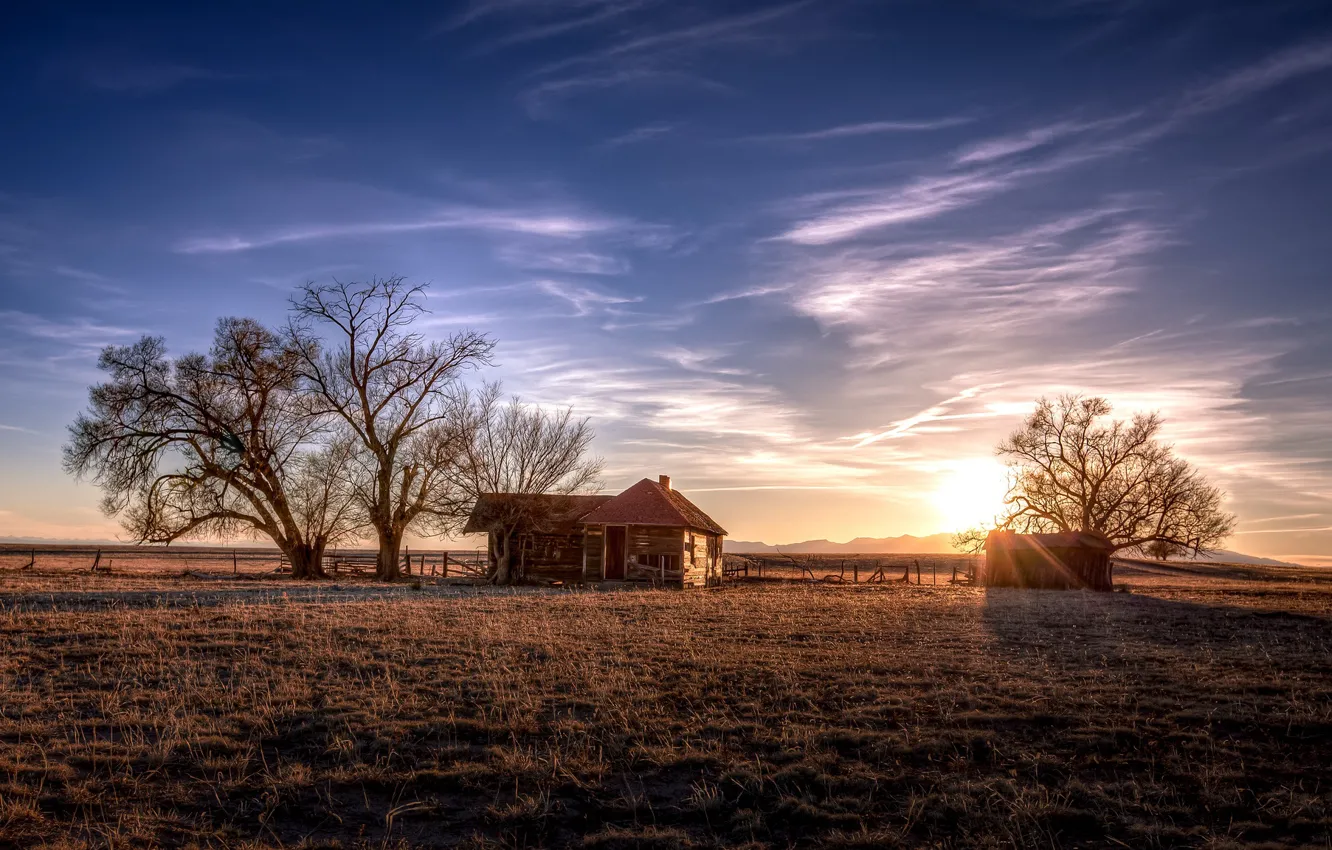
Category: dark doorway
[615,551]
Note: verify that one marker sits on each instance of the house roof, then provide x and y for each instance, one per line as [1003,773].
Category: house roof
[554,509]
[649,503]
[1059,540]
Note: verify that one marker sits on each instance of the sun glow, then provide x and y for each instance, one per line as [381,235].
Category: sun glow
[970,493]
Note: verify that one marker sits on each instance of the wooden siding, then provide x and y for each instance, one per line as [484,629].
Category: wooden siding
[1017,560]
[652,543]
[702,559]
[554,556]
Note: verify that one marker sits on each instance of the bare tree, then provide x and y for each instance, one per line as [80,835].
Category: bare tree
[1074,469]
[398,396]
[524,450]
[214,445]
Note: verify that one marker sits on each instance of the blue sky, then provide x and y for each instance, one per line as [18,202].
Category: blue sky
[813,259]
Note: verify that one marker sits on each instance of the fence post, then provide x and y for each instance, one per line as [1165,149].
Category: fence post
[917,560]
[934,572]
[97,560]
[235,570]
[855,572]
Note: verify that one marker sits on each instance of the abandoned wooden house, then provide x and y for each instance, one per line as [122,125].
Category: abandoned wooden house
[1063,561]
[649,533]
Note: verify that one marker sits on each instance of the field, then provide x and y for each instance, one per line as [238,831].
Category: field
[141,708]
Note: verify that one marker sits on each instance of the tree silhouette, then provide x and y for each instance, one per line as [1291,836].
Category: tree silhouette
[215,445]
[516,448]
[1075,469]
[398,397]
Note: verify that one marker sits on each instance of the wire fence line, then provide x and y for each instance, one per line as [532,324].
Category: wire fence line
[237,560]
[904,568]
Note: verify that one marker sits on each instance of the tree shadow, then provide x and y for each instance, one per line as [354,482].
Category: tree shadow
[1079,628]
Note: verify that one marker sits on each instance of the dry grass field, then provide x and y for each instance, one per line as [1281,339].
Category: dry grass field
[1194,710]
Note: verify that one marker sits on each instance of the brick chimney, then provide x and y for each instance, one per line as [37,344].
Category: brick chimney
[664,480]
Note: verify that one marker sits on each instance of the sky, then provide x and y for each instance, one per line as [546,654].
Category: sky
[811,259]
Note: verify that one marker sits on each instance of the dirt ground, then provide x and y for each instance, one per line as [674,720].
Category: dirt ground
[1193,710]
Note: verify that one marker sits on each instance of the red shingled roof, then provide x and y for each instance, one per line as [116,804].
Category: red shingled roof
[649,503]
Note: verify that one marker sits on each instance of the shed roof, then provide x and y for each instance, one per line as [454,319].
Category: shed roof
[1058,540]
[649,503]
[556,509]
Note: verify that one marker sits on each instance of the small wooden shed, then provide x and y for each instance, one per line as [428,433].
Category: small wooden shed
[649,533]
[1063,561]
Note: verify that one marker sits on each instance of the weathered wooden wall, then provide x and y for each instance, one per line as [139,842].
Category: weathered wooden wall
[702,564]
[652,542]
[1051,568]
[552,556]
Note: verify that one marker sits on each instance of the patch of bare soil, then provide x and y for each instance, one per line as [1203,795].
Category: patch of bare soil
[1180,715]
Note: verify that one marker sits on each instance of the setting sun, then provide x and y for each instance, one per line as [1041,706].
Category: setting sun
[970,493]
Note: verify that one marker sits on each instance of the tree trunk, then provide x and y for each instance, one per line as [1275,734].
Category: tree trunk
[503,561]
[389,566]
[307,561]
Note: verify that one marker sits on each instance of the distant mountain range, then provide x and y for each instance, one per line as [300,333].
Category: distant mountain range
[930,545]
[933,544]
[1226,556]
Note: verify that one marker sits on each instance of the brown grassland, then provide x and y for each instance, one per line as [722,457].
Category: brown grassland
[1194,710]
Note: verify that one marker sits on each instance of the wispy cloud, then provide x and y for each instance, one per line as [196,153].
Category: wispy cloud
[1064,267]
[981,170]
[738,294]
[850,214]
[138,77]
[555,258]
[585,300]
[639,134]
[1281,67]
[1036,137]
[86,332]
[654,54]
[556,225]
[543,19]
[866,128]
[939,412]
[540,98]
[720,31]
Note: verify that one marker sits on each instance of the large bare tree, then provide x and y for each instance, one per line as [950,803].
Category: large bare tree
[398,395]
[1074,468]
[516,448]
[215,445]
